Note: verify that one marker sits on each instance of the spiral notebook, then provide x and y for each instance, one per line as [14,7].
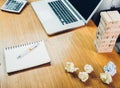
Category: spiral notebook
[25,56]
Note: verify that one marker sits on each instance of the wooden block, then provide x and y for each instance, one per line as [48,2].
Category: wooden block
[102,22]
[108,31]
[104,50]
[101,28]
[114,15]
[105,17]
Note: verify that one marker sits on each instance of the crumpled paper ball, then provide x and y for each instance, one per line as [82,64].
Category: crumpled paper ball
[70,67]
[88,68]
[83,76]
[106,78]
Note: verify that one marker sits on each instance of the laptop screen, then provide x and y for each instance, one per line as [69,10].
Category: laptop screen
[85,7]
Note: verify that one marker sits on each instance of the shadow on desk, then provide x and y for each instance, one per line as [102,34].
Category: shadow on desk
[29,69]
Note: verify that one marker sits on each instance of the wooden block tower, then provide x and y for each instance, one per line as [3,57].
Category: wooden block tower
[108,31]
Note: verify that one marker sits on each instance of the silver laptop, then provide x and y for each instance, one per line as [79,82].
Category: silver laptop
[61,15]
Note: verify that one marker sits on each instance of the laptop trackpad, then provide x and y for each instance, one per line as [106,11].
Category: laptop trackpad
[45,14]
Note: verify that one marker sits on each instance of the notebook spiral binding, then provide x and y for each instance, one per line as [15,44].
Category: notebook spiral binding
[22,45]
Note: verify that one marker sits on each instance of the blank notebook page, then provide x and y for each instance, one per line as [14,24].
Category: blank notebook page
[35,57]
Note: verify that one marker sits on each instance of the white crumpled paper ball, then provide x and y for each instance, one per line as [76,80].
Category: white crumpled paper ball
[88,68]
[106,78]
[83,76]
[70,67]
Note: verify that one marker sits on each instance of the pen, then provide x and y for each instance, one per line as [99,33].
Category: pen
[27,51]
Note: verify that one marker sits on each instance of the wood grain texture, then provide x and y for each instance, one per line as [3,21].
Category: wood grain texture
[76,45]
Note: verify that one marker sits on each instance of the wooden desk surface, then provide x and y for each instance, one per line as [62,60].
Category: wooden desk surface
[76,46]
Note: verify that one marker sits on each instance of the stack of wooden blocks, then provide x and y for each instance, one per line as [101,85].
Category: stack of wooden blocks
[108,31]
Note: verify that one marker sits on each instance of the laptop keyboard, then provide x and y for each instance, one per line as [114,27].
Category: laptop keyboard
[62,12]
